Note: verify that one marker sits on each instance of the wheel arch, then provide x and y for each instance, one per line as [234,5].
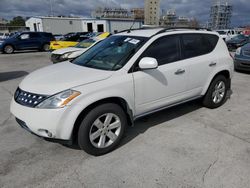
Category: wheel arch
[225,73]
[117,100]
[9,44]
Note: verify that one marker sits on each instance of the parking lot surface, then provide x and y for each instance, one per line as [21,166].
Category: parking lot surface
[187,146]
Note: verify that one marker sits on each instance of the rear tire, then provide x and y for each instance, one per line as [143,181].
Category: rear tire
[217,92]
[45,48]
[102,129]
[8,49]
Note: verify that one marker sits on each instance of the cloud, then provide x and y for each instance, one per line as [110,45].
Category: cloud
[190,8]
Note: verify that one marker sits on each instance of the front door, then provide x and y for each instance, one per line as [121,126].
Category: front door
[165,85]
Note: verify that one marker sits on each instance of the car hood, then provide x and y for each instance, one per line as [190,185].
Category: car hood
[65,50]
[236,41]
[246,46]
[60,77]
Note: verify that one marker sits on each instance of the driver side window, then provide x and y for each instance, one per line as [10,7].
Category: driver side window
[165,50]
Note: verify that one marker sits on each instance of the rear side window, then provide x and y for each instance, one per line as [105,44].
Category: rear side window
[198,44]
[34,35]
[49,35]
[165,50]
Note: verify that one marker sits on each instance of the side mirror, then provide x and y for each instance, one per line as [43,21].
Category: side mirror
[148,63]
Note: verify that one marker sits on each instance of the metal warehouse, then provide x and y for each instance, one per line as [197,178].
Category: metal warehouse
[63,25]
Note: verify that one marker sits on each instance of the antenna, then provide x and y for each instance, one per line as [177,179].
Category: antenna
[131,26]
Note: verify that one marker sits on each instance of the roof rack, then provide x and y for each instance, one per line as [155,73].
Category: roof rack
[163,29]
[176,28]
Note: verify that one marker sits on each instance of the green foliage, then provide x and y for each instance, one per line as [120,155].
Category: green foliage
[17,21]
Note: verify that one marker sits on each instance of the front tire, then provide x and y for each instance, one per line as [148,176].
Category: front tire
[8,49]
[217,92]
[102,129]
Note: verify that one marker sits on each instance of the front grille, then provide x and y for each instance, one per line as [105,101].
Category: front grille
[246,64]
[246,53]
[28,99]
[55,58]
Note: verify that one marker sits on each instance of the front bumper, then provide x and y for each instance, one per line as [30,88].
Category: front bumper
[46,123]
[24,126]
[242,64]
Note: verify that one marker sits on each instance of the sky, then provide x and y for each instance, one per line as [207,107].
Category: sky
[190,8]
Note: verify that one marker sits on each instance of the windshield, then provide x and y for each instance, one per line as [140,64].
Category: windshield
[111,53]
[85,43]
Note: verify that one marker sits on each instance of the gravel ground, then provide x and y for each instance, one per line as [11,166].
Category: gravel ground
[187,146]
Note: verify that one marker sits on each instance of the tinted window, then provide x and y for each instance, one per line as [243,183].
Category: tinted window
[198,44]
[165,50]
[34,35]
[49,35]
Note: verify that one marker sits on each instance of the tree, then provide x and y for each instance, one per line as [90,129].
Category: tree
[17,21]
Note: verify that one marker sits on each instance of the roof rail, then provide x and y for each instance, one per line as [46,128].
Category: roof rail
[129,30]
[163,29]
[175,28]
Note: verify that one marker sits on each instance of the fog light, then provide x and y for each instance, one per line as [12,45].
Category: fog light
[45,133]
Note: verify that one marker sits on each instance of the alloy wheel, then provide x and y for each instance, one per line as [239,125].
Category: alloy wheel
[219,92]
[105,130]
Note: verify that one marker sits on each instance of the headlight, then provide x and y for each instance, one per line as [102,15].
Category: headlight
[66,55]
[59,100]
[238,51]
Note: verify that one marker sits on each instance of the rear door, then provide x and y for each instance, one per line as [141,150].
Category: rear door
[197,53]
[159,87]
[35,40]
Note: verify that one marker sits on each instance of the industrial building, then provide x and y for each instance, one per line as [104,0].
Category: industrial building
[63,25]
[152,12]
[220,15]
[171,19]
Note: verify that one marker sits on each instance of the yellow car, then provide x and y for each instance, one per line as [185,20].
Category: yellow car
[74,39]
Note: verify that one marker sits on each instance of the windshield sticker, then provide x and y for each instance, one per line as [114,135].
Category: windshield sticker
[134,41]
[127,39]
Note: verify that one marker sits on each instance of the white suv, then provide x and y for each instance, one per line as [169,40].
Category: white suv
[93,98]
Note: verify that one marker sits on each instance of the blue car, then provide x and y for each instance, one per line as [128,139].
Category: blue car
[26,41]
[242,58]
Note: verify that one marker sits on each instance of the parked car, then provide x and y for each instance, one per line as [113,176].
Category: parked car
[93,98]
[58,37]
[4,35]
[75,33]
[227,34]
[242,58]
[26,41]
[237,42]
[68,41]
[70,53]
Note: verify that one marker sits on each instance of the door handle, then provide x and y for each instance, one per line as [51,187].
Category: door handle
[212,64]
[180,71]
